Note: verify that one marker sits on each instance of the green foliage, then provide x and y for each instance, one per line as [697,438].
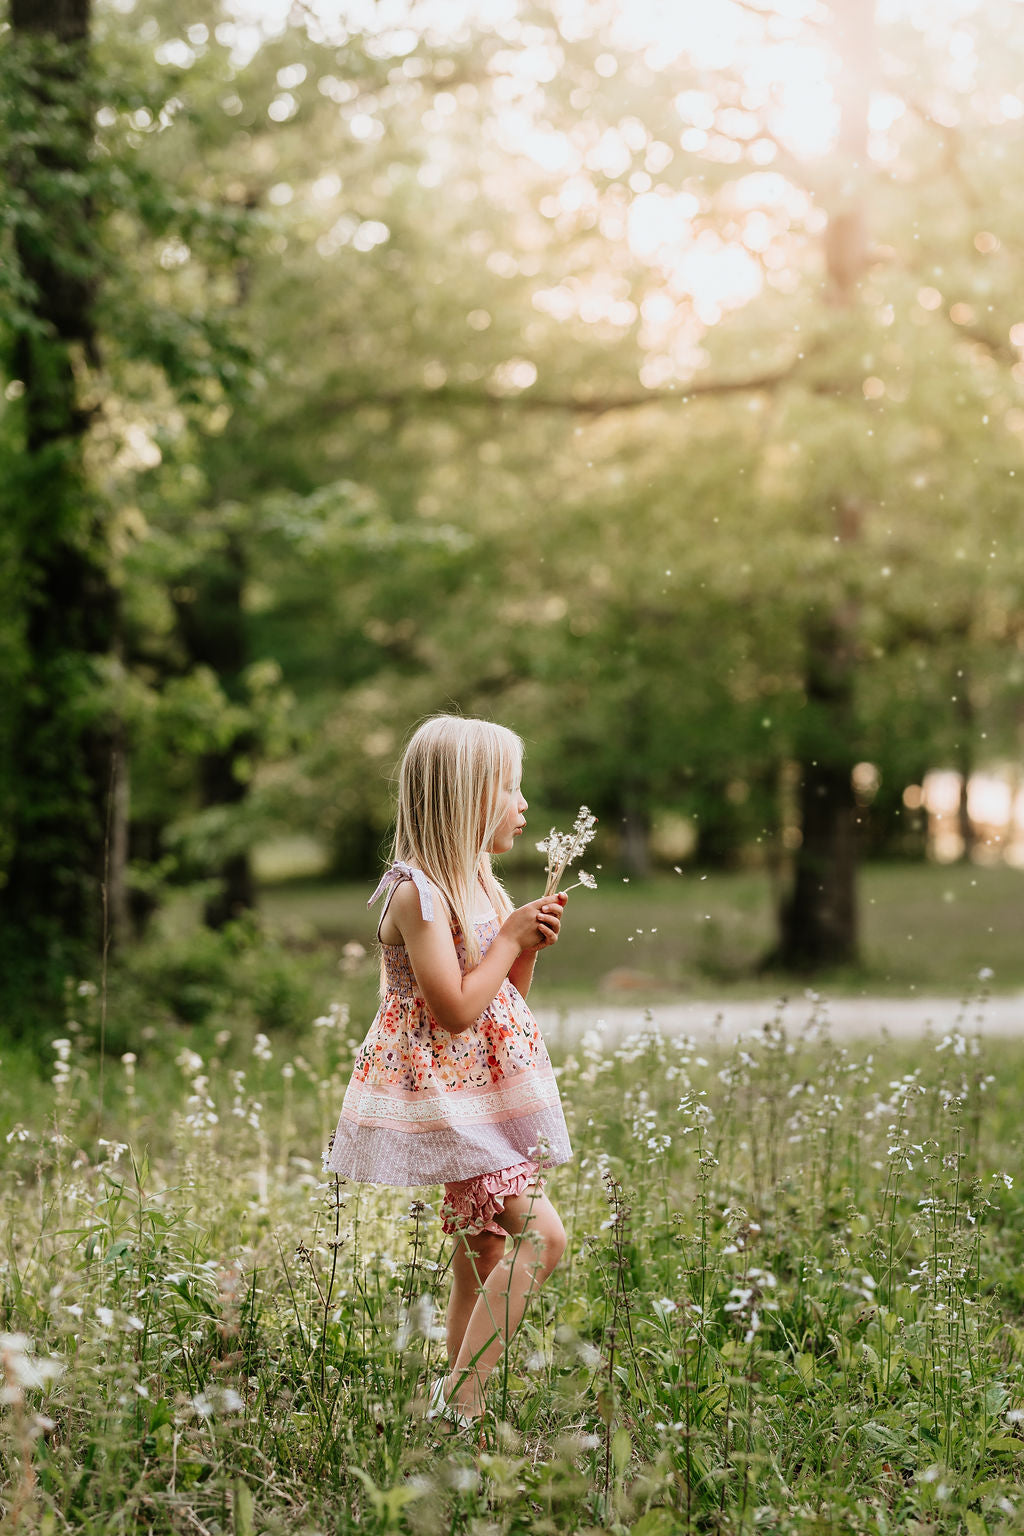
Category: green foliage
[790,1296]
[398,410]
[213,978]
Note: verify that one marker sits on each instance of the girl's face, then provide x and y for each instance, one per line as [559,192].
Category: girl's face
[513,821]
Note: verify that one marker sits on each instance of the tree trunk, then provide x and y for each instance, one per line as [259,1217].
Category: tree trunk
[116,874]
[57,727]
[213,627]
[634,837]
[818,916]
[215,632]
[965,760]
[721,828]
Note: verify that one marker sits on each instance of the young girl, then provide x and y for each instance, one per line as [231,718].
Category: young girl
[453,1083]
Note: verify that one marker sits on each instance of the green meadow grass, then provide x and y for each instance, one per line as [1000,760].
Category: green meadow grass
[925,927]
[791,1299]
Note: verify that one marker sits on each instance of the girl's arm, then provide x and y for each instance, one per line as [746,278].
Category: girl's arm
[456,1000]
[521,974]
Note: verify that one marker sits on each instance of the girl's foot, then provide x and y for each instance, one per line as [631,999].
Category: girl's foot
[440,1408]
[472,1405]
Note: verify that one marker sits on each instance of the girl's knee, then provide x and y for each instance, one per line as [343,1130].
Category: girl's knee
[555,1241]
[547,1235]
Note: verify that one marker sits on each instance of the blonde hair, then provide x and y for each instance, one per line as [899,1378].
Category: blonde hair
[452,798]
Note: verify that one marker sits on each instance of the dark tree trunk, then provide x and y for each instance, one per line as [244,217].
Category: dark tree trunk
[634,837]
[818,916]
[213,627]
[721,829]
[222,785]
[819,913]
[965,760]
[215,633]
[58,733]
[118,918]
[356,850]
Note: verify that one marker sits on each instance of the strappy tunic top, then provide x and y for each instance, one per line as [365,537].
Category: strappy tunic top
[424,1106]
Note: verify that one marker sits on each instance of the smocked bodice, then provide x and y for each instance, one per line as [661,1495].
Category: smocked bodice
[398,972]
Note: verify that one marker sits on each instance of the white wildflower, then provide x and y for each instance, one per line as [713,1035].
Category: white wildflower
[562,848]
[21,1371]
[463,1479]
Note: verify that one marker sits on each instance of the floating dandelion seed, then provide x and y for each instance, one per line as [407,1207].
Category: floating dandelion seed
[562,848]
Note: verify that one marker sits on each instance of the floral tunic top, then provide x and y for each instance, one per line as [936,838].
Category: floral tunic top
[425,1106]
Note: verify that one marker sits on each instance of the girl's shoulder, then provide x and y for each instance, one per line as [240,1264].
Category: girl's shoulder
[411,896]
[418,896]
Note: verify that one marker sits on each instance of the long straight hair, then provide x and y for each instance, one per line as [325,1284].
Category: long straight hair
[452,798]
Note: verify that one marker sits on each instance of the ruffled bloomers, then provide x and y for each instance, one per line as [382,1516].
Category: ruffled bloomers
[471,1205]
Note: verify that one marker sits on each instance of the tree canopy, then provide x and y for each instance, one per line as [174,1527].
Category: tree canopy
[649,381]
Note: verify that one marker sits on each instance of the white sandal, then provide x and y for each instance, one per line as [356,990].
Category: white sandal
[440,1409]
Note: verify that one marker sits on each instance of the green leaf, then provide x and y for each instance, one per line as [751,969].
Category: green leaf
[805,1365]
[243,1508]
[656,1522]
[1005,1445]
[160,1413]
[388,1503]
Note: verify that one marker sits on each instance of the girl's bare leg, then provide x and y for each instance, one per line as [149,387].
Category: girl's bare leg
[499,1308]
[472,1261]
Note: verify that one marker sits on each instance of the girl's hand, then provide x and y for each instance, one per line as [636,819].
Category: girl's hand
[550,920]
[535,926]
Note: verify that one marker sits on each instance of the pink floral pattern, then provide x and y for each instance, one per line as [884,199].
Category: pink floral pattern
[424,1106]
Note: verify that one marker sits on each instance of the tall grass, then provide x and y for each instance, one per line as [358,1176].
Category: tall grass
[791,1298]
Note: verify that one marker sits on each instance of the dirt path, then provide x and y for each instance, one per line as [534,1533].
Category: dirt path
[849,1017]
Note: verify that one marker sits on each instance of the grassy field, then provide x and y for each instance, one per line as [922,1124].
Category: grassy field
[925,927]
[791,1301]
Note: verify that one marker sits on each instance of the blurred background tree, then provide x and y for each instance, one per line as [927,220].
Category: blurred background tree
[648,379]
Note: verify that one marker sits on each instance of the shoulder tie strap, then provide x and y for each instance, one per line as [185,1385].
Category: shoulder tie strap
[399,872]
